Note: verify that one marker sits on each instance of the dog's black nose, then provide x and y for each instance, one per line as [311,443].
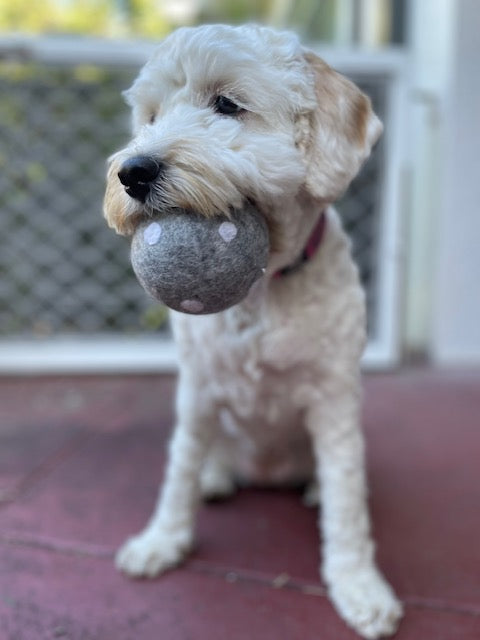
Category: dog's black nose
[137,174]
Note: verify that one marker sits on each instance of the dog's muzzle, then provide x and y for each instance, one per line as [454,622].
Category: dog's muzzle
[137,175]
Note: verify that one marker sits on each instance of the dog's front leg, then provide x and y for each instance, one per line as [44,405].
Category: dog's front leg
[168,535]
[358,590]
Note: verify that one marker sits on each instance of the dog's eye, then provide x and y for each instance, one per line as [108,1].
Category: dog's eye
[226,107]
[152,118]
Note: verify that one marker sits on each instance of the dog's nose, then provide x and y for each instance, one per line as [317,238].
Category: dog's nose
[137,174]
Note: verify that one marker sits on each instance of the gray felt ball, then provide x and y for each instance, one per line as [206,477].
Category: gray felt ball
[200,265]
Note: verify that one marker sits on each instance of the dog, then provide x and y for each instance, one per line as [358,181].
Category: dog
[269,390]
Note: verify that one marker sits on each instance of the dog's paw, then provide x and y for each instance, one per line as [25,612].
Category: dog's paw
[152,552]
[366,602]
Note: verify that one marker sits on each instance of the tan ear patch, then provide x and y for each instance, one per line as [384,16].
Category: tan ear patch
[361,112]
[343,130]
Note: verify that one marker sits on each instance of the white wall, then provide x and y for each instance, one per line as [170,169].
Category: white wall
[456,290]
[429,71]
[443,262]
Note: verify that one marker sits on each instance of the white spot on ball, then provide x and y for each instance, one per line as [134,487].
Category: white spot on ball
[152,233]
[192,306]
[227,231]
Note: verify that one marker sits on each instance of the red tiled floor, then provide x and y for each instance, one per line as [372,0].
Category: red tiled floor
[80,461]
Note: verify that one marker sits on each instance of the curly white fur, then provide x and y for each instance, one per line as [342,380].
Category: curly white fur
[269,390]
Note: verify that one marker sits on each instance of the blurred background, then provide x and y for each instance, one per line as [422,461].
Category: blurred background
[68,299]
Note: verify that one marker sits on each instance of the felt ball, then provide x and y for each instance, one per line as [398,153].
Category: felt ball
[200,265]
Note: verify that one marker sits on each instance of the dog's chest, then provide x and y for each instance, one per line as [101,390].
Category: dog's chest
[254,375]
[260,418]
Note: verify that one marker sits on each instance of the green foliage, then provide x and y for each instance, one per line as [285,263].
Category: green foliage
[80,16]
[155,317]
[94,17]
[146,17]
[24,15]
[236,11]
[150,18]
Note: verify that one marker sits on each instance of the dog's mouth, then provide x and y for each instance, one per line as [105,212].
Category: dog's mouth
[200,265]
[143,178]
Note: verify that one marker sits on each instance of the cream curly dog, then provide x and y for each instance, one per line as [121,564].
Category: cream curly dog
[269,390]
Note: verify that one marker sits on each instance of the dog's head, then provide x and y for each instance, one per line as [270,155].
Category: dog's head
[227,114]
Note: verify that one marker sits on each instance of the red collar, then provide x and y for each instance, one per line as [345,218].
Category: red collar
[311,248]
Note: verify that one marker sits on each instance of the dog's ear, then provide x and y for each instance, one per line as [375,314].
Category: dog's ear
[338,135]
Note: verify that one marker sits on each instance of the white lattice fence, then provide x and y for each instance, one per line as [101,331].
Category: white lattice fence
[61,270]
